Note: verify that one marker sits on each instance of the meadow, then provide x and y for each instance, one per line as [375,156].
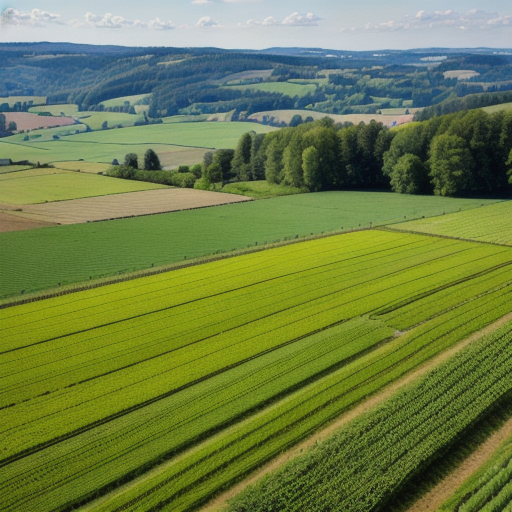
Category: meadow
[105,145]
[286,88]
[215,369]
[46,185]
[82,252]
[67,109]
[120,102]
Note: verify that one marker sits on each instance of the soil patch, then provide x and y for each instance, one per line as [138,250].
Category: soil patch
[89,209]
[27,121]
[12,222]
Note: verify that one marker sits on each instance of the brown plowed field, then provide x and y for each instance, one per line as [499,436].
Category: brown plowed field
[27,121]
[117,206]
[12,222]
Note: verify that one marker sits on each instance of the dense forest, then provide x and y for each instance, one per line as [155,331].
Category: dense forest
[462,154]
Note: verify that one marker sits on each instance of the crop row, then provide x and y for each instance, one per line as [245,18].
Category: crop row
[360,467]
[94,460]
[415,312]
[202,338]
[486,489]
[190,480]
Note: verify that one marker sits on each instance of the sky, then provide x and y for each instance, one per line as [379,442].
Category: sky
[258,24]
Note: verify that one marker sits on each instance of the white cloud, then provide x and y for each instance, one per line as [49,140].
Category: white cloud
[201,2]
[301,20]
[158,24]
[206,21]
[472,19]
[109,20]
[294,20]
[36,17]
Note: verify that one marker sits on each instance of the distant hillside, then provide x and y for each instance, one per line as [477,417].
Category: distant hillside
[192,81]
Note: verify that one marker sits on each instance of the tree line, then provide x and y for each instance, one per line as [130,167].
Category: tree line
[462,154]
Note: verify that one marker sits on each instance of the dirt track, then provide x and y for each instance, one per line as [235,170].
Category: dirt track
[77,211]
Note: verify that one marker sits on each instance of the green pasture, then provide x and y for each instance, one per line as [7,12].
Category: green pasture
[202,135]
[5,169]
[46,185]
[12,100]
[91,167]
[497,108]
[286,88]
[120,102]
[95,120]
[185,118]
[105,145]
[69,109]
[70,254]
[46,134]
[490,224]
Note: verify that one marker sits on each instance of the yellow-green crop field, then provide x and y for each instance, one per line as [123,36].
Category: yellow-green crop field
[490,224]
[177,385]
[45,185]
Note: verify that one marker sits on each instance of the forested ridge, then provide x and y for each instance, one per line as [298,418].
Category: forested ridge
[197,80]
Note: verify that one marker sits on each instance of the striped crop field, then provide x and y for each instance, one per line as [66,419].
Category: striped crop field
[489,224]
[360,467]
[177,385]
[70,254]
[489,489]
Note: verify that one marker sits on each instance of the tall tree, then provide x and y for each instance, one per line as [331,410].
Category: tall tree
[151,161]
[311,168]
[131,160]
[241,165]
[410,176]
[451,166]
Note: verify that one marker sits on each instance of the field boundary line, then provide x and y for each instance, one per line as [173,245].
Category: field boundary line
[219,503]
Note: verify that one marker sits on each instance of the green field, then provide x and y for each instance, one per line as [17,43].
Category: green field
[6,169]
[12,100]
[220,367]
[490,224]
[46,185]
[69,109]
[125,245]
[120,102]
[498,108]
[105,145]
[286,88]
[95,120]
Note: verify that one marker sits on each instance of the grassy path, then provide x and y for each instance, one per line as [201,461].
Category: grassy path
[221,501]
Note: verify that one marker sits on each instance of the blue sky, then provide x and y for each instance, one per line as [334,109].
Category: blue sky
[258,24]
